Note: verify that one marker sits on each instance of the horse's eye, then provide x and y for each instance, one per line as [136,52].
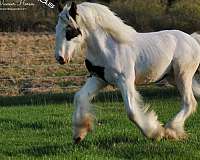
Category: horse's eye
[72,33]
[69,35]
[68,28]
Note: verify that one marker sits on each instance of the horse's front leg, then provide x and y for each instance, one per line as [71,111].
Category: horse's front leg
[137,113]
[83,118]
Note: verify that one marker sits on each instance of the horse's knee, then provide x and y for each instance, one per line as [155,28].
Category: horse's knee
[79,97]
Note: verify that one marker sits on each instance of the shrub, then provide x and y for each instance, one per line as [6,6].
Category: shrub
[140,14]
[186,15]
[143,15]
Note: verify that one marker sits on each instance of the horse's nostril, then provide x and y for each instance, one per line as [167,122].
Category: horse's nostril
[61,60]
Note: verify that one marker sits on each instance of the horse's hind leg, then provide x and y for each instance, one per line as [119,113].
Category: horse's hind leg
[146,121]
[183,77]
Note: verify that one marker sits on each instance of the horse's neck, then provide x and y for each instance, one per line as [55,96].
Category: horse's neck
[99,45]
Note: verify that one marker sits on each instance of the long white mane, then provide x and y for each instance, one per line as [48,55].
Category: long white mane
[93,16]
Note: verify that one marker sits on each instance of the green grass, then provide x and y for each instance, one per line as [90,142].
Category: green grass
[39,127]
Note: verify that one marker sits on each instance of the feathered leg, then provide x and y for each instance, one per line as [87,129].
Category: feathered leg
[137,113]
[83,118]
[183,76]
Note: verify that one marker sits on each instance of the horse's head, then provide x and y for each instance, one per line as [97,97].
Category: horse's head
[68,34]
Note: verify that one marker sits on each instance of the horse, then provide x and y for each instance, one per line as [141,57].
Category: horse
[196,36]
[116,54]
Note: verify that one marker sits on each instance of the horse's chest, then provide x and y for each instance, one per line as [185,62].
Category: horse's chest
[107,74]
[95,70]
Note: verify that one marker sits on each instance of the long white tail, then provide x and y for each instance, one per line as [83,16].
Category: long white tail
[196,79]
[196,36]
[196,87]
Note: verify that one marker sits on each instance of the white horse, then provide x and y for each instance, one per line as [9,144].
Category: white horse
[196,36]
[196,78]
[116,54]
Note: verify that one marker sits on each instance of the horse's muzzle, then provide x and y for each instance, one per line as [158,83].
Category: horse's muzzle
[61,60]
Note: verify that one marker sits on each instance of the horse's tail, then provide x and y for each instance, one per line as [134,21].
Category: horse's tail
[196,78]
[196,87]
[196,36]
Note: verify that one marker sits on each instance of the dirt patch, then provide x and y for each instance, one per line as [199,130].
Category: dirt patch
[27,65]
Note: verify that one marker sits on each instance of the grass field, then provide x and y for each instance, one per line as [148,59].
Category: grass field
[39,127]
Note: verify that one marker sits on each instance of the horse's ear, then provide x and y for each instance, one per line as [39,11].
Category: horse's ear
[73,10]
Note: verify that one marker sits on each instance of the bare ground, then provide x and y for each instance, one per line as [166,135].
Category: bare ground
[27,65]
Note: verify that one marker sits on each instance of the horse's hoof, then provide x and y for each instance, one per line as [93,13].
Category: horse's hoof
[77,140]
[175,135]
[159,134]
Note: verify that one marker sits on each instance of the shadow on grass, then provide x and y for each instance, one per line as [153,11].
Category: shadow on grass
[16,124]
[113,96]
[116,147]
[37,151]
[46,150]
[132,148]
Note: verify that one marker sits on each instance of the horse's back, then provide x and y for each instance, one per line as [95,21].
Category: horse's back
[187,47]
[172,39]
[158,50]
